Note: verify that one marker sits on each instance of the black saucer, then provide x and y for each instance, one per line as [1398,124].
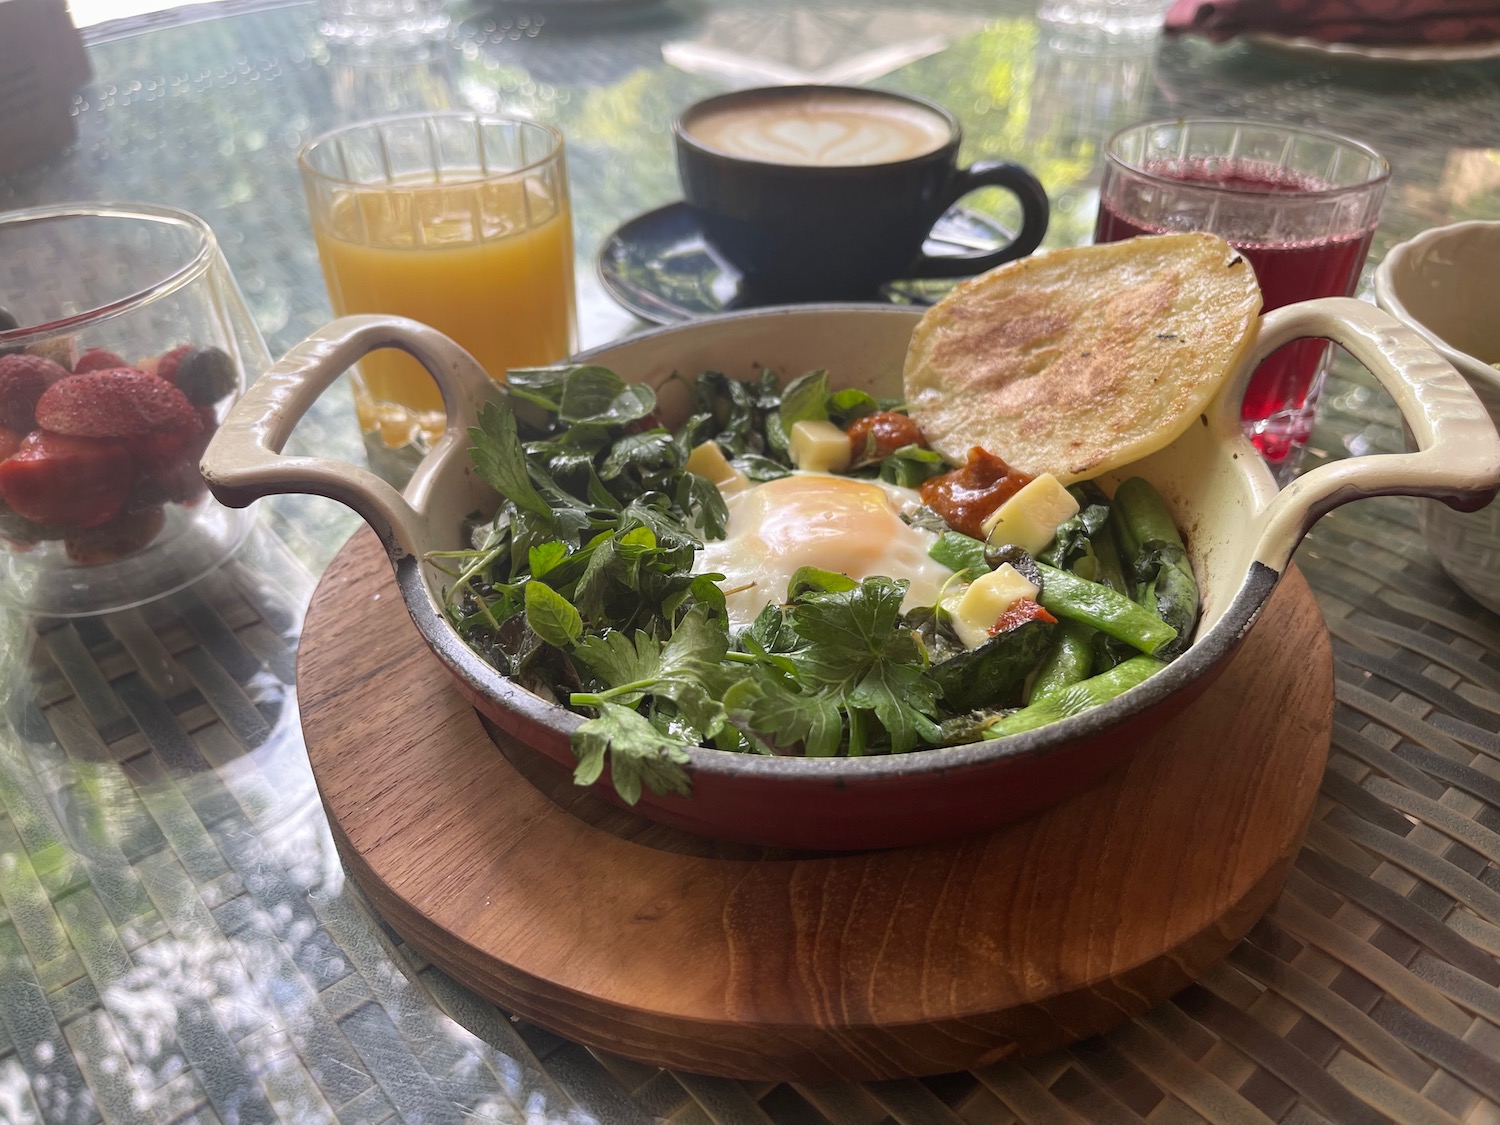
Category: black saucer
[659,267]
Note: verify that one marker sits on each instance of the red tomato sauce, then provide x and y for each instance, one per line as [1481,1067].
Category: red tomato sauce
[968,495]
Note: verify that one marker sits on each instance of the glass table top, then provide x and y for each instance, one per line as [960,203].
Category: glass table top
[178,940]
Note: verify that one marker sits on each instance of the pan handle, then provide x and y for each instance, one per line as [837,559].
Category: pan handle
[1457,459]
[244,461]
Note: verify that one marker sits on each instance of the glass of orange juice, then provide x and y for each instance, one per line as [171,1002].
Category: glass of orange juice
[459,220]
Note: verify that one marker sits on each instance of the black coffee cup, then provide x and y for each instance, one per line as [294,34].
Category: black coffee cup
[828,192]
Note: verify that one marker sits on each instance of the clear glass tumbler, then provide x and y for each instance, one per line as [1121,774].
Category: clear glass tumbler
[1100,25]
[389,24]
[123,341]
[460,221]
[1301,205]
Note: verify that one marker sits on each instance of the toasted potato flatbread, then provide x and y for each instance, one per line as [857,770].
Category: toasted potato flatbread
[1082,360]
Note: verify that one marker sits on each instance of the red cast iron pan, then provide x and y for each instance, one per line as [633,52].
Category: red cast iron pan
[1240,530]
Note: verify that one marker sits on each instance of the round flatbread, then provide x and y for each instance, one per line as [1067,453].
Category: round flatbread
[1079,361]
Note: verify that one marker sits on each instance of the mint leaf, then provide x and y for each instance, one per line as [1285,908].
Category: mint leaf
[804,400]
[910,465]
[551,616]
[812,580]
[848,404]
[545,556]
[639,754]
[501,460]
[959,552]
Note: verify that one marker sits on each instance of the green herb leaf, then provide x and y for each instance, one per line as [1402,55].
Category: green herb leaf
[551,616]
[597,394]
[766,707]
[540,386]
[858,647]
[804,400]
[910,465]
[639,754]
[501,460]
[813,580]
[759,468]
[843,407]
[545,556]
[702,497]
[959,552]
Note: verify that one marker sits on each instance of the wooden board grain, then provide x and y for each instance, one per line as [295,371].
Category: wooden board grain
[900,962]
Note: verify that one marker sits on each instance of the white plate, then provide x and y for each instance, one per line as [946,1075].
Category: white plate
[1412,54]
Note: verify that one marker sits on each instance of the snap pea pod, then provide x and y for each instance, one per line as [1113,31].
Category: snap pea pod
[1078,599]
[1079,697]
[1069,660]
[1109,571]
[1157,559]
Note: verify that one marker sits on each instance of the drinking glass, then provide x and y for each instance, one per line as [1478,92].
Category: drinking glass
[104,305]
[390,24]
[1301,205]
[458,220]
[1095,25]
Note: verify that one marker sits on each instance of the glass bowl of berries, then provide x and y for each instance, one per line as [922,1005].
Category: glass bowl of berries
[123,341]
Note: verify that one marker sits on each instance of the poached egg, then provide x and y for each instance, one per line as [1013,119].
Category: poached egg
[851,527]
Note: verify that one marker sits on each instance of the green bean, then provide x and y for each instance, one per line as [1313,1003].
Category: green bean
[1069,660]
[1077,599]
[1158,559]
[1077,698]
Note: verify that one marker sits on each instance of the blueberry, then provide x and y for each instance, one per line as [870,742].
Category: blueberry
[205,375]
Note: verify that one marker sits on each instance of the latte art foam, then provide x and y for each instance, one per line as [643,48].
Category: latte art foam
[821,130]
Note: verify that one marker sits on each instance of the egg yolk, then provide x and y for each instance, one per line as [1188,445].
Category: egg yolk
[852,527]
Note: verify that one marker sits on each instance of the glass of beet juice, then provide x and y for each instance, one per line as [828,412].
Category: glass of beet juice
[1301,205]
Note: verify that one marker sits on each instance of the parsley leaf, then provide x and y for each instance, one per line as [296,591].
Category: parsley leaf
[769,708]
[858,648]
[639,754]
[501,460]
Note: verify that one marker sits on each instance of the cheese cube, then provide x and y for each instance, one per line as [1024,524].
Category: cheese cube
[1031,517]
[987,597]
[820,447]
[708,460]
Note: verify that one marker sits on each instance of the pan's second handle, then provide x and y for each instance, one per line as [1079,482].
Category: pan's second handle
[244,461]
[1458,451]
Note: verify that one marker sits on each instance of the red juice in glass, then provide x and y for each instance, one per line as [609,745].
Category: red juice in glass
[1301,206]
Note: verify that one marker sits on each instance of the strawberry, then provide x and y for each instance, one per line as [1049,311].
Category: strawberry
[166,363]
[167,466]
[10,441]
[174,484]
[120,402]
[124,535]
[59,479]
[97,359]
[23,379]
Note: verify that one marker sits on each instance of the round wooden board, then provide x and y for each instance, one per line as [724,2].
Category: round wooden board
[902,962]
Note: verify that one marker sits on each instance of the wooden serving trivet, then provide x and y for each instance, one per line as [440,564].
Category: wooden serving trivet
[903,962]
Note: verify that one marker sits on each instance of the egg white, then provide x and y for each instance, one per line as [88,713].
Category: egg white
[849,526]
